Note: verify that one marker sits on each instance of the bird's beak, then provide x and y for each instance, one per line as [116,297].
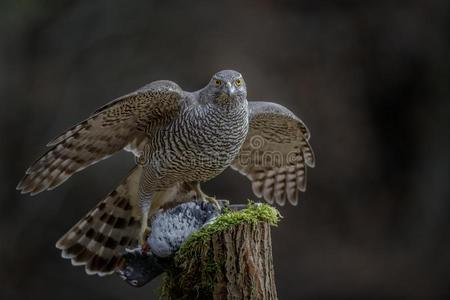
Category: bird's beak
[229,89]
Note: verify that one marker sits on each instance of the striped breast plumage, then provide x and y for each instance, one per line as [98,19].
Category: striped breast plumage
[200,144]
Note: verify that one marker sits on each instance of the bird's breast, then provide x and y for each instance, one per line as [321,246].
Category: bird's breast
[203,143]
[218,134]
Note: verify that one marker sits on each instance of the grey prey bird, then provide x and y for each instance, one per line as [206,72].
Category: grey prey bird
[180,139]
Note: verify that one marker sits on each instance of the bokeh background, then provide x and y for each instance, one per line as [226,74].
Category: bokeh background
[370,79]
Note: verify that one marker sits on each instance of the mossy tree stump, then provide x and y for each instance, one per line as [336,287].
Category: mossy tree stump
[228,259]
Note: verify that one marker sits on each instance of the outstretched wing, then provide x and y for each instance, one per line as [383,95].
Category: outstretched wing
[276,153]
[123,123]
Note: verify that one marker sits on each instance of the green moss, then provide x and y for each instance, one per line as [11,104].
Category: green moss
[186,266]
[253,214]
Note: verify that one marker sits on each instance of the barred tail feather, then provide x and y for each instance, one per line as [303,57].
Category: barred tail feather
[99,240]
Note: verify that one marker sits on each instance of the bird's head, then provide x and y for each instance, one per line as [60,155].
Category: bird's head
[227,87]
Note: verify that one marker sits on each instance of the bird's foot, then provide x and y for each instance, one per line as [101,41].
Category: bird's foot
[145,248]
[205,198]
[143,236]
[211,200]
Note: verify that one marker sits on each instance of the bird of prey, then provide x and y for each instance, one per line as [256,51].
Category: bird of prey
[180,139]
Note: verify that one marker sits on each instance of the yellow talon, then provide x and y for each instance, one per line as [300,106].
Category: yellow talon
[202,196]
[212,200]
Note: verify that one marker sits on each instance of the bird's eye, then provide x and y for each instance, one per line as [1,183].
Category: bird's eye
[238,82]
[218,82]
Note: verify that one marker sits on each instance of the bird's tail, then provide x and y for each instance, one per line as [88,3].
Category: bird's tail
[99,240]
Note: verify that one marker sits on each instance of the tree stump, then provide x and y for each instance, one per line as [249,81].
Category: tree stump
[228,259]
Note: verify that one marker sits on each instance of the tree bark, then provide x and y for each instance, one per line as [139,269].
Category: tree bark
[235,263]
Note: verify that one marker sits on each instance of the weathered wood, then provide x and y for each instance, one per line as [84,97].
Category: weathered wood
[235,263]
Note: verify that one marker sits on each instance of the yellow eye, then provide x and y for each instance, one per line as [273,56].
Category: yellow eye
[238,82]
[218,82]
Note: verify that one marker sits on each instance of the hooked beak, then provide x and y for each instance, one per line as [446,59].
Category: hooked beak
[229,89]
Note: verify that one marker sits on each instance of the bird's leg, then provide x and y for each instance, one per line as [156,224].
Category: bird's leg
[145,201]
[144,232]
[202,196]
[150,208]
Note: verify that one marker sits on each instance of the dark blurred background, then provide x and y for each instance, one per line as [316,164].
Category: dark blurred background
[370,79]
